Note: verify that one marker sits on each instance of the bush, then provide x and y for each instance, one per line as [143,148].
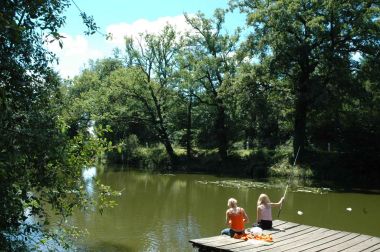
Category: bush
[154,157]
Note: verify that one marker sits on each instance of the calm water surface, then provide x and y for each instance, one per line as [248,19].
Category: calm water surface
[163,212]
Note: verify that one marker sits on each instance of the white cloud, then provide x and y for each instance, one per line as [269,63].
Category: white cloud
[122,30]
[74,55]
[78,50]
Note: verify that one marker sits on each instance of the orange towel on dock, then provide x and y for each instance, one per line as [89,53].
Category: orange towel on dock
[246,237]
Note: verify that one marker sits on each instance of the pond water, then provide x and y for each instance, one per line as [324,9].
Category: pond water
[162,212]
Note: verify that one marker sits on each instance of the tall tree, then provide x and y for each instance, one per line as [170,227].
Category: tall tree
[262,106]
[303,39]
[154,55]
[85,103]
[213,64]
[105,94]
[186,78]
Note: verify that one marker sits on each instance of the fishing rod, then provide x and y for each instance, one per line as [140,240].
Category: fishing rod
[287,185]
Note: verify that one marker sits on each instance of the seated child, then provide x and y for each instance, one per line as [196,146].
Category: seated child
[235,218]
[264,211]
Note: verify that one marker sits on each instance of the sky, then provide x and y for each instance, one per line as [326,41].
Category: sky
[121,18]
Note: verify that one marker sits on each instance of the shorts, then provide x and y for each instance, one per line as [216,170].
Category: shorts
[264,224]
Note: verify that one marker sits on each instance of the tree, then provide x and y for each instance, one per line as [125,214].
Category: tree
[40,166]
[186,78]
[85,104]
[100,96]
[310,43]
[213,65]
[154,56]
[262,106]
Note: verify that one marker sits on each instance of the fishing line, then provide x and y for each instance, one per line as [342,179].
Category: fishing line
[287,185]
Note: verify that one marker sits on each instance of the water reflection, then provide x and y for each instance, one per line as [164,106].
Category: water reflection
[89,175]
[163,212]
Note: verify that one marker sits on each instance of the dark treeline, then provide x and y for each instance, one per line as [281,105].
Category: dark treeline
[305,78]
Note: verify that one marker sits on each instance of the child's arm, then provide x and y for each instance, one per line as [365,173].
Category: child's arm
[246,219]
[227,218]
[278,203]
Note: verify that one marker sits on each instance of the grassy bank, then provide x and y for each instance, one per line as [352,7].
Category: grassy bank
[332,169]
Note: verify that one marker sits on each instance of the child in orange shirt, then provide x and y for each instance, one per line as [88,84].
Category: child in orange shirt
[235,218]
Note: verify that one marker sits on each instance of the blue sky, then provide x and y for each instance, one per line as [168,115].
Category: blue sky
[124,17]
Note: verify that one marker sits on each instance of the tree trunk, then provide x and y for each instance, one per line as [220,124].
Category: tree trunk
[169,149]
[162,130]
[164,137]
[221,133]
[188,130]
[300,119]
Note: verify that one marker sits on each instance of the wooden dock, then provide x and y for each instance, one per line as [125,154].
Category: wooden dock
[289,236]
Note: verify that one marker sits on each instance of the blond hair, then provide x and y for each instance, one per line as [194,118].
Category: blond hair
[263,199]
[232,203]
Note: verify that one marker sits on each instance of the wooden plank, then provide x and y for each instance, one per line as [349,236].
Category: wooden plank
[287,225]
[217,240]
[329,238]
[354,241]
[222,242]
[282,224]
[303,239]
[208,239]
[233,247]
[294,232]
[210,242]
[299,236]
[328,245]
[364,245]
[281,228]
[288,240]
[222,237]
[372,249]
[288,234]
[293,228]
[278,222]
